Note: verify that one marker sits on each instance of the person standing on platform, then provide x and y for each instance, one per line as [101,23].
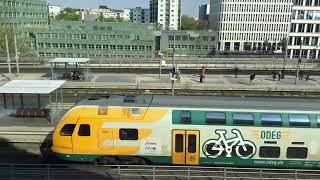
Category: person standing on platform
[279,75]
[274,75]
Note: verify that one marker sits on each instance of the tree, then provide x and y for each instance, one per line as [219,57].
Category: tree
[111,19]
[23,49]
[69,14]
[189,23]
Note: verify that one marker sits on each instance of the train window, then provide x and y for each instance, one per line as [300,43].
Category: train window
[179,143]
[269,152]
[215,118]
[192,143]
[243,119]
[297,152]
[318,119]
[128,134]
[271,119]
[185,117]
[67,130]
[299,120]
[84,130]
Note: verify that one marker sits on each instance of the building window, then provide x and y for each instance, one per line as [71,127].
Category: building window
[243,119]
[62,45]
[91,46]
[84,130]
[269,152]
[83,46]
[128,134]
[215,118]
[127,47]
[83,36]
[67,130]
[69,46]
[105,47]
[185,117]
[271,119]
[297,152]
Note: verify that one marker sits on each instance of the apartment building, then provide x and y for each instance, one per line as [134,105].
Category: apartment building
[167,13]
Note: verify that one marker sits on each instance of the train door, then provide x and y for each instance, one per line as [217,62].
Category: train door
[84,138]
[106,140]
[185,147]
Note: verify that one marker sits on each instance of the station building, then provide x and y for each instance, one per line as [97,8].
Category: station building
[98,40]
[24,13]
[187,43]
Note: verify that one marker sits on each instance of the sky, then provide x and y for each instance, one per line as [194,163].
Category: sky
[189,7]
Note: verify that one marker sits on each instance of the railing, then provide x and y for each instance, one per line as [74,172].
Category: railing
[25,171]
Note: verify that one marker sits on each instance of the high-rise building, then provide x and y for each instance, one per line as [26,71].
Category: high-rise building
[24,13]
[204,11]
[251,24]
[167,13]
[139,15]
[304,36]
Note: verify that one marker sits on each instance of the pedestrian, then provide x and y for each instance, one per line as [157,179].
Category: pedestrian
[300,75]
[274,75]
[282,73]
[252,76]
[236,71]
[279,76]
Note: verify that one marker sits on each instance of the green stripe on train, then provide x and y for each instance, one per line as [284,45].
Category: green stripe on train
[199,118]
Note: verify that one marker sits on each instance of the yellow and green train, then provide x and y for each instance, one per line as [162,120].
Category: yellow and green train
[210,131]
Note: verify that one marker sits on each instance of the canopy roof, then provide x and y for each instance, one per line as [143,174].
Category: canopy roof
[70,60]
[31,86]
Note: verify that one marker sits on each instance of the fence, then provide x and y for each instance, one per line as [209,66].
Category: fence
[49,172]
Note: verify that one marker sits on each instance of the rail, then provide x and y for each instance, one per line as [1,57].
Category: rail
[69,171]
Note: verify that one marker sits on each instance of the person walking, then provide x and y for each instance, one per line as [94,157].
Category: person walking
[252,76]
[236,71]
[279,75]
[282,73]
[274,75]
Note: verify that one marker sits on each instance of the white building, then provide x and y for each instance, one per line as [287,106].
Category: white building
[54,10]
[105,12]
[139,15]
[248,24]
[305,29]
[204,11]
[167,13]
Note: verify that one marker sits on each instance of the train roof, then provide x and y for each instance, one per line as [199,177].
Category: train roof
[219,102]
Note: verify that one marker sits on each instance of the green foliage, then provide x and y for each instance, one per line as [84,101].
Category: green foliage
[111,19]
[69,14]
[23,49]
[189,23]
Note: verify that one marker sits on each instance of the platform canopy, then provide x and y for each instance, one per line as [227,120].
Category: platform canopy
[70,60]
[31,86]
